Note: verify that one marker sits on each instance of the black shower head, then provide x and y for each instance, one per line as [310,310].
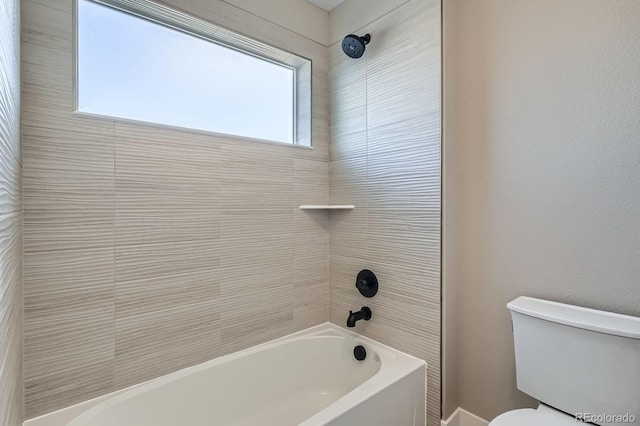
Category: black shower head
[354,45]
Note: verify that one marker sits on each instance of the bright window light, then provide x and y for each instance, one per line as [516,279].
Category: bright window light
[134,68]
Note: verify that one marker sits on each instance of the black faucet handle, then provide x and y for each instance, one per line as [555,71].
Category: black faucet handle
[367,283]
[362,285]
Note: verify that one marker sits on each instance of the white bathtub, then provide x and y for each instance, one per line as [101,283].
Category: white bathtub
[309,378]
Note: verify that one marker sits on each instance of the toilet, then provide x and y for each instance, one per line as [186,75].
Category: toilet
[579,363]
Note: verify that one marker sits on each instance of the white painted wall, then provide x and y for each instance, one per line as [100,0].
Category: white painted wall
[550,173]
[461,417]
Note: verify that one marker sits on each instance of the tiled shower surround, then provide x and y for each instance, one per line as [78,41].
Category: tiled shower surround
[385,159]
[10,218]
[148,249]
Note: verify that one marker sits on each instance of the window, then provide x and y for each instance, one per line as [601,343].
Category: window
[141,61]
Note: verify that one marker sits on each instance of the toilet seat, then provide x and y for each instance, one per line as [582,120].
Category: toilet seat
[542,416]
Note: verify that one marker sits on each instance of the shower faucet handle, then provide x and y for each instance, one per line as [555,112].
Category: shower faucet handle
[367,283]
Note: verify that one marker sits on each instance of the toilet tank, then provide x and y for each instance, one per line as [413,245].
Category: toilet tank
[578,360]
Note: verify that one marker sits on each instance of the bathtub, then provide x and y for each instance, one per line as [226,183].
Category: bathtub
[309,378]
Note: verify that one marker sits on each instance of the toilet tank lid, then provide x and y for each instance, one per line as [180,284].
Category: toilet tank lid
[577,316]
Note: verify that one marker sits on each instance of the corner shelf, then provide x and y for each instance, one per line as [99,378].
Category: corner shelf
[327,207]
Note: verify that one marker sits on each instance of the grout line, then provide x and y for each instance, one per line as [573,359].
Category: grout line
[115,316]
[23,402]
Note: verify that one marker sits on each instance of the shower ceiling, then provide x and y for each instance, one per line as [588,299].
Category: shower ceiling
[326,4]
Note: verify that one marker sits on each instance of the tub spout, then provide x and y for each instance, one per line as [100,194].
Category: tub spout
[362,314]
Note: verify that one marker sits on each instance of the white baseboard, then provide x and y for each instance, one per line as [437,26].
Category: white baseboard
[462,417]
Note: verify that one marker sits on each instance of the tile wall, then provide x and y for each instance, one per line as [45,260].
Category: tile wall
[385,159]
[147,250]
[10,218]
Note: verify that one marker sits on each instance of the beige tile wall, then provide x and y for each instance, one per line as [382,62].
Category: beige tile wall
[148,249]
[10,218]
[385,159]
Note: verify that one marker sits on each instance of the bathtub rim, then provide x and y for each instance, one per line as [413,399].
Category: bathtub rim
[68,414]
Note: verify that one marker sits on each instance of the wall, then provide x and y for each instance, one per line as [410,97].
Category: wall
[385,159]
[10,218]
[550,172]
[146,249]
[356,14]
[450,207]
[299,16]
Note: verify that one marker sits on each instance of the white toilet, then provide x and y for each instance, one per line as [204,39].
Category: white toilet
[578,363]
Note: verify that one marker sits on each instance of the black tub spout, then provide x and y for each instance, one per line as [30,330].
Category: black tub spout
[362,314]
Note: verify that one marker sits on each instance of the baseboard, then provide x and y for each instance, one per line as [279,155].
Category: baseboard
[462,417]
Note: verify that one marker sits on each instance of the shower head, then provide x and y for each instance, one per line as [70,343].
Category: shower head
[354,45]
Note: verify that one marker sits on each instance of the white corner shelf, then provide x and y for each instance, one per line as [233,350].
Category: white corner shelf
[327,207]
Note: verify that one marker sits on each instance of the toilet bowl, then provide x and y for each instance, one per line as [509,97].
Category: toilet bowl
[542,416]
